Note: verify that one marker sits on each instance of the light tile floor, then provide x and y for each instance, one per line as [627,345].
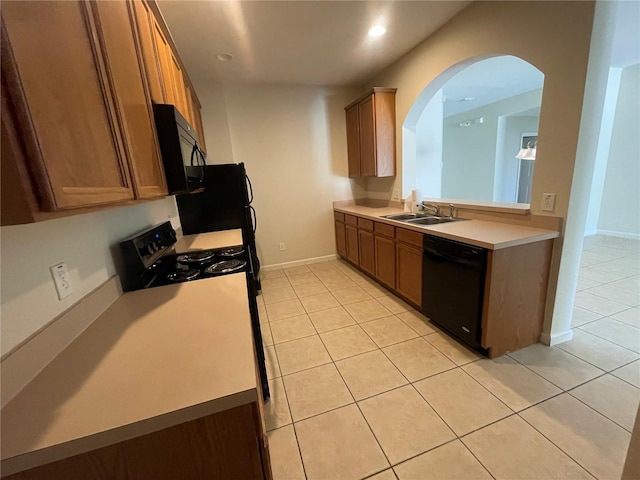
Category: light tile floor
[364,386]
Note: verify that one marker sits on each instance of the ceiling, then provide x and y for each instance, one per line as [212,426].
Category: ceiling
[488,81]
[299,42]
[626,36]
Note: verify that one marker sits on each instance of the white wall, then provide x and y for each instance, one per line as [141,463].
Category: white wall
[469,153]
[510,130]
[602,153]
[84,242]
[619,211]
[559,49]
[429,148]
[292,140]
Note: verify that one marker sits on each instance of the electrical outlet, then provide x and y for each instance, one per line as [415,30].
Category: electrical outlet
[282,247]
[396,194]
[61,279]
[548,202]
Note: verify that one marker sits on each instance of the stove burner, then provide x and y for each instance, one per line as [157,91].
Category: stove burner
[183,275]
[230,252]
[196,257]
[227,266]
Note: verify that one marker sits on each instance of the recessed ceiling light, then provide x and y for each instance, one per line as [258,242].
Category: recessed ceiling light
[377,30]
[224,57]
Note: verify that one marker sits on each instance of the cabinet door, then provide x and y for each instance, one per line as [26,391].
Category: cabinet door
[163,51]
[367,128]
[134,107]
[341,239]
[178,85]
[366,255]
[353,141]
[197,118]
[385,260]
[145,22]
[57,80]
[409,272]
[352,243]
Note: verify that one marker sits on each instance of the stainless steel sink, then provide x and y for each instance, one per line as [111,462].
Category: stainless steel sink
[402,217]
[430,220]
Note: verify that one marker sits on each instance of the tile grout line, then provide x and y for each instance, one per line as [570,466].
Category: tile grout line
[558,447]
[598,411]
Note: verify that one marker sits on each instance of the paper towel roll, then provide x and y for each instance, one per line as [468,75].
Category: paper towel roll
[416,200]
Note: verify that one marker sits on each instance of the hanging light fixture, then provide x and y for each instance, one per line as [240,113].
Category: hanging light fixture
[528,153]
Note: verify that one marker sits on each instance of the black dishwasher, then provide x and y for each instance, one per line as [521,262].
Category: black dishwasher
[453,276]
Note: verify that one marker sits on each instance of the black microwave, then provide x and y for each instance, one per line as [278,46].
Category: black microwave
[184,161]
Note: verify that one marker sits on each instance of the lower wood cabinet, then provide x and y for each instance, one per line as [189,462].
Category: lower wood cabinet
[366,248]
[341,239]
[227,444]
[385,258]
[409,272]
[352,243]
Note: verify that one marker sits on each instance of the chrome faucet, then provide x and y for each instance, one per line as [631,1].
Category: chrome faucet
[452,210]
[432,206]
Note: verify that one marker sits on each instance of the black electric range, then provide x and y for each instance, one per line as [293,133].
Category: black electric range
[150,260]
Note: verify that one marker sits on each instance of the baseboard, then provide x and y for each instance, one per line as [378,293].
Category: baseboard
[613,233]
[556,338]
[590,232]
[28,359]
[297,263]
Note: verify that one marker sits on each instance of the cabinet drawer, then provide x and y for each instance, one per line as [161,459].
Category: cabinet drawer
[339,217]
[384,229]
[409,236]
[365,224]
[351,220]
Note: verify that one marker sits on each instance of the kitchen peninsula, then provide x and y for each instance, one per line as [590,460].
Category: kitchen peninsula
[514,283]
[162,385]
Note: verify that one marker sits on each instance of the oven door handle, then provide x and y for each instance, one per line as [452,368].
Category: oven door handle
[250,189]
[254,218]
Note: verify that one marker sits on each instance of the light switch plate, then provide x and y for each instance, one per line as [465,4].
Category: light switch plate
[396,195]
[548,202]
[61,279]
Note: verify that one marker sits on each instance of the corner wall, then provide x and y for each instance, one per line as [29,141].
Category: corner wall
[292,140]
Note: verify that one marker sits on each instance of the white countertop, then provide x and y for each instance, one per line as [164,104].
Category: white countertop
[481,233]
[205,241]
[155,358]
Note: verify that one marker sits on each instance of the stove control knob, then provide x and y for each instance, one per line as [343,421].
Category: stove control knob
[150,250]
[155,246]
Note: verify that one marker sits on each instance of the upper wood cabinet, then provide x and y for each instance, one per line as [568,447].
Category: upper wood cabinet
[122,49]
[168,82]
[61,102]
[371,134]
[77,123]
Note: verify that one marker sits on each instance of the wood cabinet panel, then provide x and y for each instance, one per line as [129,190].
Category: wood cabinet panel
[351,220]
[353,141]
[371,134]
[384,229]
[197,119]
[385,134]
[365,224]
[64,104]
[409,236]
[341,239]
[514,296]
[367,126]
[145,23]
[163,52]
[222,445]
[385,260]
[366,246]
[352,243]
[409,272]
[177,82]
[338,216]
[134,107]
